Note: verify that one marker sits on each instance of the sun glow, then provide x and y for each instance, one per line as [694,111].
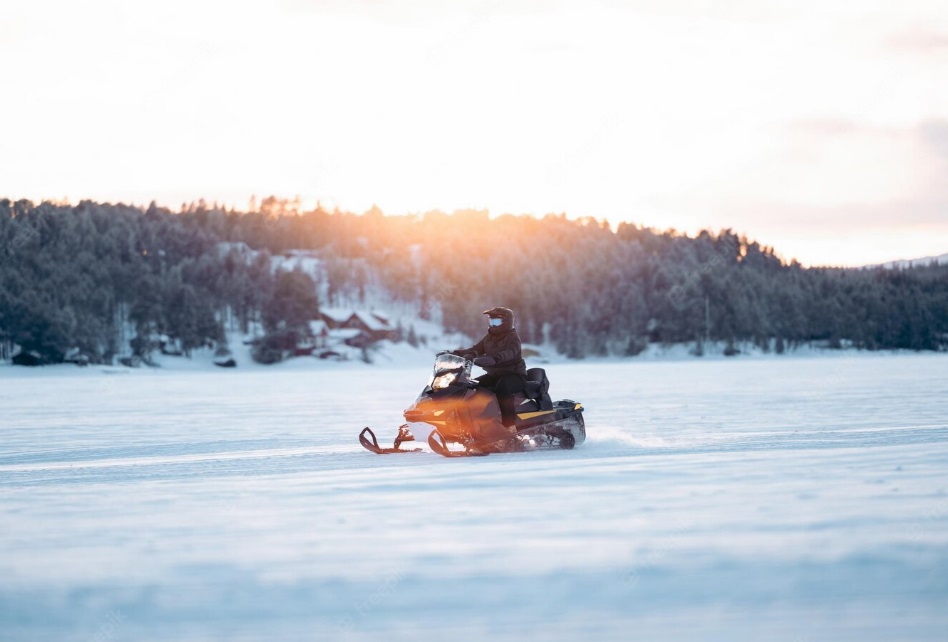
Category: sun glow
[775,120]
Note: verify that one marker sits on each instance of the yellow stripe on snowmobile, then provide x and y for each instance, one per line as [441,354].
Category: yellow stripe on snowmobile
[531,415]
[579,406]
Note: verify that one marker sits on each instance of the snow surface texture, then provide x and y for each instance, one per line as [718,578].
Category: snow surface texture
[775,499]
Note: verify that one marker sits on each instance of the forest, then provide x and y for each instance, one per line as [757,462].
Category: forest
[107,279]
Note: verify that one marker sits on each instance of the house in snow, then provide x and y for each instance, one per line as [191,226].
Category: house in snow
[320,333]
[370,327]
[334,318]
[349,336]
[317,338]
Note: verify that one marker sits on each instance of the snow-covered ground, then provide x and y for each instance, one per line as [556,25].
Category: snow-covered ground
[796,499]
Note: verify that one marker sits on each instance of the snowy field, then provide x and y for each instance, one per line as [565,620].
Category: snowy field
[797,499]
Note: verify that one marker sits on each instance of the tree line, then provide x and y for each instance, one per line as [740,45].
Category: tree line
[109,280]
[106,278]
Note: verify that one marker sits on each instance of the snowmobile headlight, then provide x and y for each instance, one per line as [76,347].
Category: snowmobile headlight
[443,381]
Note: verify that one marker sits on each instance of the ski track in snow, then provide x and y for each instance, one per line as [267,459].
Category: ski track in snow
[786,499]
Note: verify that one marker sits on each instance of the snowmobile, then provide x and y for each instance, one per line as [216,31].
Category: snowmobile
[465,419]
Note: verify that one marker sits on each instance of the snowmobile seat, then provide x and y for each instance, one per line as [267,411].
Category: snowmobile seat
[538,388]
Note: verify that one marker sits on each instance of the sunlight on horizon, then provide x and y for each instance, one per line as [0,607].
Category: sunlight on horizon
[819,130]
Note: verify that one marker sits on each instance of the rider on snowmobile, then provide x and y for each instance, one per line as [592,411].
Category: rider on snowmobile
[498,353]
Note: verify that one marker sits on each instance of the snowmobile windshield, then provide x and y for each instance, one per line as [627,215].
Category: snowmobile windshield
[448,369]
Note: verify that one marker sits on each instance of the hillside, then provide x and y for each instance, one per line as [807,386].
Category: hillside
[928,260]
[108,281]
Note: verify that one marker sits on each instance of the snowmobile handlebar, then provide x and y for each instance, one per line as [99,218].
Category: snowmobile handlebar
[456,353]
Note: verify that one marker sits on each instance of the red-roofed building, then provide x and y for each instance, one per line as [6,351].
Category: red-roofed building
[371,326]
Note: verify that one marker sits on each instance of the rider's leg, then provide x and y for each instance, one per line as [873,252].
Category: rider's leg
[486,381]
[507,386]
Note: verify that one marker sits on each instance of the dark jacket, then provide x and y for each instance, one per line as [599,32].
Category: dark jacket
[503,345]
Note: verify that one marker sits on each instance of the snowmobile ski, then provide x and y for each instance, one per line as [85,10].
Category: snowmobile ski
[371,443]
[438,445]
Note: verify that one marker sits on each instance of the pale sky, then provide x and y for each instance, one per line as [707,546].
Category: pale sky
[817,126]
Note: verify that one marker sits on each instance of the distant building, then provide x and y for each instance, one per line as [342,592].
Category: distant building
[27,358]
[349,336]
[334,318]
[320,333]
[370,327]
